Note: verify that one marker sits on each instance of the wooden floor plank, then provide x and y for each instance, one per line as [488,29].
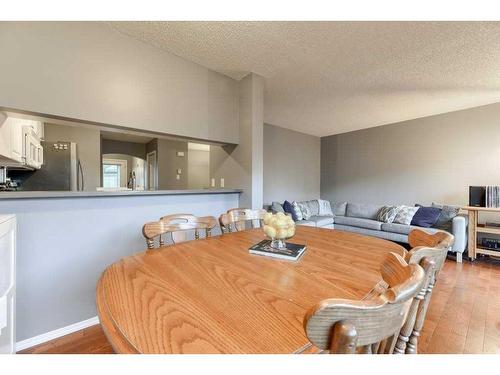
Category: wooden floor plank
[464,316]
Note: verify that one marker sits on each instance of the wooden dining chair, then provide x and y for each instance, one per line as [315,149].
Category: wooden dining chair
[441,240]
[237,219]
[429,251]
[178,226]
[368,326]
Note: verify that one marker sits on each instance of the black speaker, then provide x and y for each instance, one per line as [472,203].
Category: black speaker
[477,196]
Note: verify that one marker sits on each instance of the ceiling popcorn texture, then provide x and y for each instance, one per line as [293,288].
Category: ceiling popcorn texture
[326,78]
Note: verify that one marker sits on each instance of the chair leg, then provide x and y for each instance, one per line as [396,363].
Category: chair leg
[412,345]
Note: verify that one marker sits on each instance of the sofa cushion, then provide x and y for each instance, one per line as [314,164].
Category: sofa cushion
[321,221]
[312,205]
[307,223]
[405,215]
[339,209]
[325,208]
[387,214]
[276,207]
[362,210]
[403,229]
[426,217]
[391,236]
[358,222]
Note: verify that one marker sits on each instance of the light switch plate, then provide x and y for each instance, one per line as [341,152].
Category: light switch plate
[180,153]
[212,182]
[222,182]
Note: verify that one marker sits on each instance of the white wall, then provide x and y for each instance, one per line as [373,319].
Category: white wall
[429,159]
[88,71]
[291,165]
[65,244]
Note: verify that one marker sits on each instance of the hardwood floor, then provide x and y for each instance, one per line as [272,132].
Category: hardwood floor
[464,316]
[87,341]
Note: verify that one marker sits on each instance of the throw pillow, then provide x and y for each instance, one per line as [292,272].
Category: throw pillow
[287,206]
[426,217]
[277,207]
[387,214]
[296,211]
[305,210]
[312,205]
[405,215]
[339,209]
[446,216]
[324,208]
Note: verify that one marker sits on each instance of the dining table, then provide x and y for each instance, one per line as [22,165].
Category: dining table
[212,296]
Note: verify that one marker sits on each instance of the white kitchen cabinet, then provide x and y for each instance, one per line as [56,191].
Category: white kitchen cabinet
[14,142]
[7,283]
[37,127]
[16,139]
[4,137]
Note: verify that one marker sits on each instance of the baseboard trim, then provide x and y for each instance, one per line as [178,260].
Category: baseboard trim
[44,337]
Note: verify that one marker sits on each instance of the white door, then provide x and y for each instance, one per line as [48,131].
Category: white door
[7,283]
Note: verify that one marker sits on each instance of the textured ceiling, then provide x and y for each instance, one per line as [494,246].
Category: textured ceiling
[326,78]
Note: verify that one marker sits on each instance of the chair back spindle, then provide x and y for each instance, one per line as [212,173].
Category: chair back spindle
[236,219]
[177,226]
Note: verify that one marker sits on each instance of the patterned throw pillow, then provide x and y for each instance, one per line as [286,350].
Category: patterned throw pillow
[325,209]
[305,210]
[296,211]
[405,215]
[387,214]
[446,216]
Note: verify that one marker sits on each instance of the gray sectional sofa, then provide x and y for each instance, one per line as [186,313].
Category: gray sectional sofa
[362,219]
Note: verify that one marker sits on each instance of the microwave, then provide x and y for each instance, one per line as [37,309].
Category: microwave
[32,149]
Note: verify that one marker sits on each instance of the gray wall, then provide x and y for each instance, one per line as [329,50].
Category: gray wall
[198,169]
[89,71]
[241,166]
[429,159]
[110,146]
[291,165]
[63,246]
[169,162]
[88,141]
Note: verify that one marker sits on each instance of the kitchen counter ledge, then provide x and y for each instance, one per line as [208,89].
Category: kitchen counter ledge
[118,193]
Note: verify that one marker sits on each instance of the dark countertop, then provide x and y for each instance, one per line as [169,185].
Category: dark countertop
[97,194]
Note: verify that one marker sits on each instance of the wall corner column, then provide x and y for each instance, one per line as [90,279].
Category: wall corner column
[251,127]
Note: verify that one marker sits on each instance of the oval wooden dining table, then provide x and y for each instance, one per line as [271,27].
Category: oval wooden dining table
[212,296]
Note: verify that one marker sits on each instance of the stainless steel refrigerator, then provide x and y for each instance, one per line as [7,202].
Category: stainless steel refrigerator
[61,169]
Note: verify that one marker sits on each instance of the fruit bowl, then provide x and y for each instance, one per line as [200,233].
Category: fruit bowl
[278,227]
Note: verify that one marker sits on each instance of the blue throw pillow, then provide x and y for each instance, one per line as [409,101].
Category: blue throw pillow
[426,217]
[287,206]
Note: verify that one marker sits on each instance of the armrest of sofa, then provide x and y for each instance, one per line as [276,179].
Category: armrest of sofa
[459,230]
